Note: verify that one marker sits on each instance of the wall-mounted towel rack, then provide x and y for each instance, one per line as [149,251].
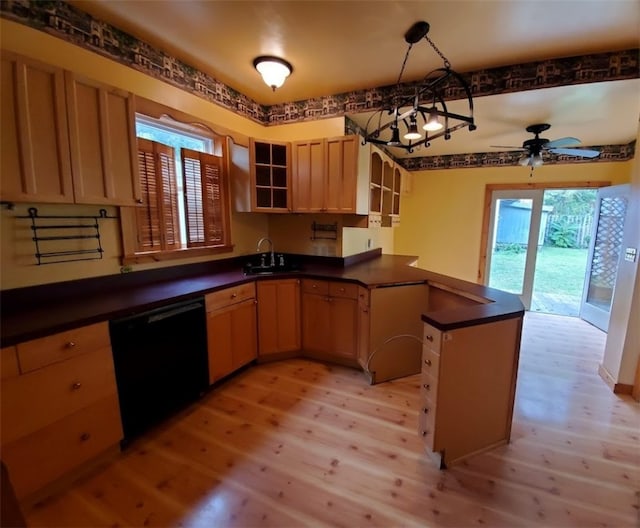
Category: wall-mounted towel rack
[50,228]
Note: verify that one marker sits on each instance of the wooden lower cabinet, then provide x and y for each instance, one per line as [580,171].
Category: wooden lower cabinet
[278,317]
[363,326]
[231,329]
[330,320]
[59,408]
[468,386]
[391,330]
[49,453]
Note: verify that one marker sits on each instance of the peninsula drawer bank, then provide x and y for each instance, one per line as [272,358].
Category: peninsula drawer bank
[64,400]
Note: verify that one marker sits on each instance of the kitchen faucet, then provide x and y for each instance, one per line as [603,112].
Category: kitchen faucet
[263,239]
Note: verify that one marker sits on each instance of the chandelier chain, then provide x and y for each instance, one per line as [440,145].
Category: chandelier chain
[404,63]
[447,64]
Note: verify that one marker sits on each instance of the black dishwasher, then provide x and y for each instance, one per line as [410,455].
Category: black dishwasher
[161,363]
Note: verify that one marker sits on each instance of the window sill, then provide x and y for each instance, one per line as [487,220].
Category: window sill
[161,256]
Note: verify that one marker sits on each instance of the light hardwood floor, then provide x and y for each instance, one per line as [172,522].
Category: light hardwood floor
[299,443]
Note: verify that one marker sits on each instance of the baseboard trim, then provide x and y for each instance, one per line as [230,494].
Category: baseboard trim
[616,388]
[623,388]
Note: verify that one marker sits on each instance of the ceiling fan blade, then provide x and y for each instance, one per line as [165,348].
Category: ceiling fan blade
[562,142]
[585,153]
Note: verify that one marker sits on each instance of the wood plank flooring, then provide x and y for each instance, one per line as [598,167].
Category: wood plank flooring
[299,443]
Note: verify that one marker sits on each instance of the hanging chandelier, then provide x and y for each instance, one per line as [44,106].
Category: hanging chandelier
[409,121]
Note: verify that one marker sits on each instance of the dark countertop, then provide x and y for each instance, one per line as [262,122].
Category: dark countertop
[22,320]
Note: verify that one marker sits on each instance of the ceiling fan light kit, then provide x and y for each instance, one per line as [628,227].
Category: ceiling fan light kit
[534,148]
[425,109]
[274,70]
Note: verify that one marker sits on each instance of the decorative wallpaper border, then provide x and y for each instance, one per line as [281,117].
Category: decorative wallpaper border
[505,159]
[64,21]
[495,159]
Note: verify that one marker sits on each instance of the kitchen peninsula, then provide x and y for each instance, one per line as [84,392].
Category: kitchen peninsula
[395,320]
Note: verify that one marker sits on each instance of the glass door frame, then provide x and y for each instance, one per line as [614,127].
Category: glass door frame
[590,312]
[536,196]
[482,277]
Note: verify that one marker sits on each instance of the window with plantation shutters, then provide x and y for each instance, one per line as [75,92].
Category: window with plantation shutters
[185,209]
[203,192]
[158,227]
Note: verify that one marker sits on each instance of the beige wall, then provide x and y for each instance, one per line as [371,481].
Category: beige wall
[442,213]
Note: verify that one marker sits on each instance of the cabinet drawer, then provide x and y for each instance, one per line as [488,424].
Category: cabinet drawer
[228,296]
[428,388]
[46,454]
[426,427]
[431,338]
[35,400]
[315,286]
[38,353]
[430,363]
[9,362]
[343,289]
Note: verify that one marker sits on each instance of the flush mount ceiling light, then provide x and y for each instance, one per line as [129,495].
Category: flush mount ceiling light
[274,71]
[420,105]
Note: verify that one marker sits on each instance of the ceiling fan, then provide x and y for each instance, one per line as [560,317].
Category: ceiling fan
[533,148]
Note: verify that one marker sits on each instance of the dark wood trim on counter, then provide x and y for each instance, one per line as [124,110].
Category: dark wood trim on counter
[37,311]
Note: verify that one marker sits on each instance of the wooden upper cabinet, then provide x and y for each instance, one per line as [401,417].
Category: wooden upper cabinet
[308,176]
[35,164]
[270,166]
[65,139]
[325,175]
[341,162]
[102,143]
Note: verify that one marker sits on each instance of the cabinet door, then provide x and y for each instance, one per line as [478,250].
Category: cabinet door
[244,335]
[343,327]
[231,338]
[341,166]
[363,326]
[35,163]
[308,176]
[278,316]
[220,343]
[270,176]
[316,321]
[102,142]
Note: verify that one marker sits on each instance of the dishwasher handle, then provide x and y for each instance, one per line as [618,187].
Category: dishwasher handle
[172,312]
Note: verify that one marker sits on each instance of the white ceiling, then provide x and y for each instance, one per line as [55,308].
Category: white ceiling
[338,46]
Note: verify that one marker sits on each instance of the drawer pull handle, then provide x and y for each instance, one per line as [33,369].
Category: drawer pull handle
[84,437]
[234,295]
[429,338]
[314,285]
[76,385]
[427,362]
[427,386]
[425,433]
[425,410]
[70,344]
[342,290]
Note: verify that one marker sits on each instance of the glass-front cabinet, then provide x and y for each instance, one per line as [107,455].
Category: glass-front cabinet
[270,176]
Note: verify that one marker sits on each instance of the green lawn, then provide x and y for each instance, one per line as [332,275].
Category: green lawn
[558,270]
